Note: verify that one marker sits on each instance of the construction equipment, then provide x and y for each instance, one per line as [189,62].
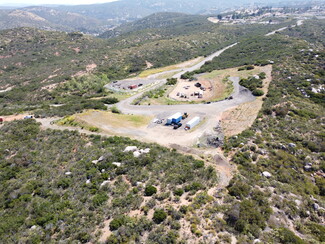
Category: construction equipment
[176,126]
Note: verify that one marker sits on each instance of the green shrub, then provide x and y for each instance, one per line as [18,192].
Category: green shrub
[262,75]
[171,81]
[317,230]
[159,216]
[117,223]
[100,199]
[110,100]
[258,92]
[195,186]
[93,129]
[178,192]
[288,237]
[115,110]
[150,190]
[239,189]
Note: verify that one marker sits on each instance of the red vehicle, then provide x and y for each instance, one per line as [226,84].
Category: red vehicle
[133,87]
[1,120]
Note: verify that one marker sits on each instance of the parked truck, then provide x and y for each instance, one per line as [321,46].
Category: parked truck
[176,126]
[174,119]
[192,123]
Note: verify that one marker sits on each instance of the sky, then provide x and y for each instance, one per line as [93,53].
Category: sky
[66,2]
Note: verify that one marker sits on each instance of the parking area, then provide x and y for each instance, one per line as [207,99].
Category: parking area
[192,90]
[129,85]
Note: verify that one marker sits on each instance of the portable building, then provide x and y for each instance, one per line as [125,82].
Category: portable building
[193,122]
[175,118]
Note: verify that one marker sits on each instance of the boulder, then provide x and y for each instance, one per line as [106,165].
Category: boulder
[136,154]
[292,145]
[315,206]
[130,149]
[117,164]
[307,168]
[104,183]
[266,174]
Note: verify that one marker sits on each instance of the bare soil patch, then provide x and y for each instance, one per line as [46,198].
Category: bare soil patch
[101,118]
[13,117]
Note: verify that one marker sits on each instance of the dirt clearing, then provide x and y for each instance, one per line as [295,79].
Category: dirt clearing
[215,85]
[101,118]
[186,64]
[236,120]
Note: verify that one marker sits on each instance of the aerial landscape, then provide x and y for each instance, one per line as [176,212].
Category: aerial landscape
[162,121]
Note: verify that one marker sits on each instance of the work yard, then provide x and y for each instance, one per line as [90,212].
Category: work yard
[140,126]
[210,87]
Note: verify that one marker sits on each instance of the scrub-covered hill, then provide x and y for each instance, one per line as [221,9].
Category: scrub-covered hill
[36,66]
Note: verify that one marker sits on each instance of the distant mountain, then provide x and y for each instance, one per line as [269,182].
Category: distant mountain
[18,18]
[73,20]
[135,9]
[127,10]
[98,18]
[50,19]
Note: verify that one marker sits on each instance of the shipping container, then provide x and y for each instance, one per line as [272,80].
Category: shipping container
[192,123]
[175,118]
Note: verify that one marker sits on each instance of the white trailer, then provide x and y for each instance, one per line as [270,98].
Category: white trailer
[174,117]
[192,123]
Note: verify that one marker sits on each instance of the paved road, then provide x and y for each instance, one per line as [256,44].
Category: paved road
[241,95]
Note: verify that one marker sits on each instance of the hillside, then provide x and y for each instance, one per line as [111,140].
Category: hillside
[52,191]
[162,23]
[63,57]
[64,181]
[60,185]
[51,19]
